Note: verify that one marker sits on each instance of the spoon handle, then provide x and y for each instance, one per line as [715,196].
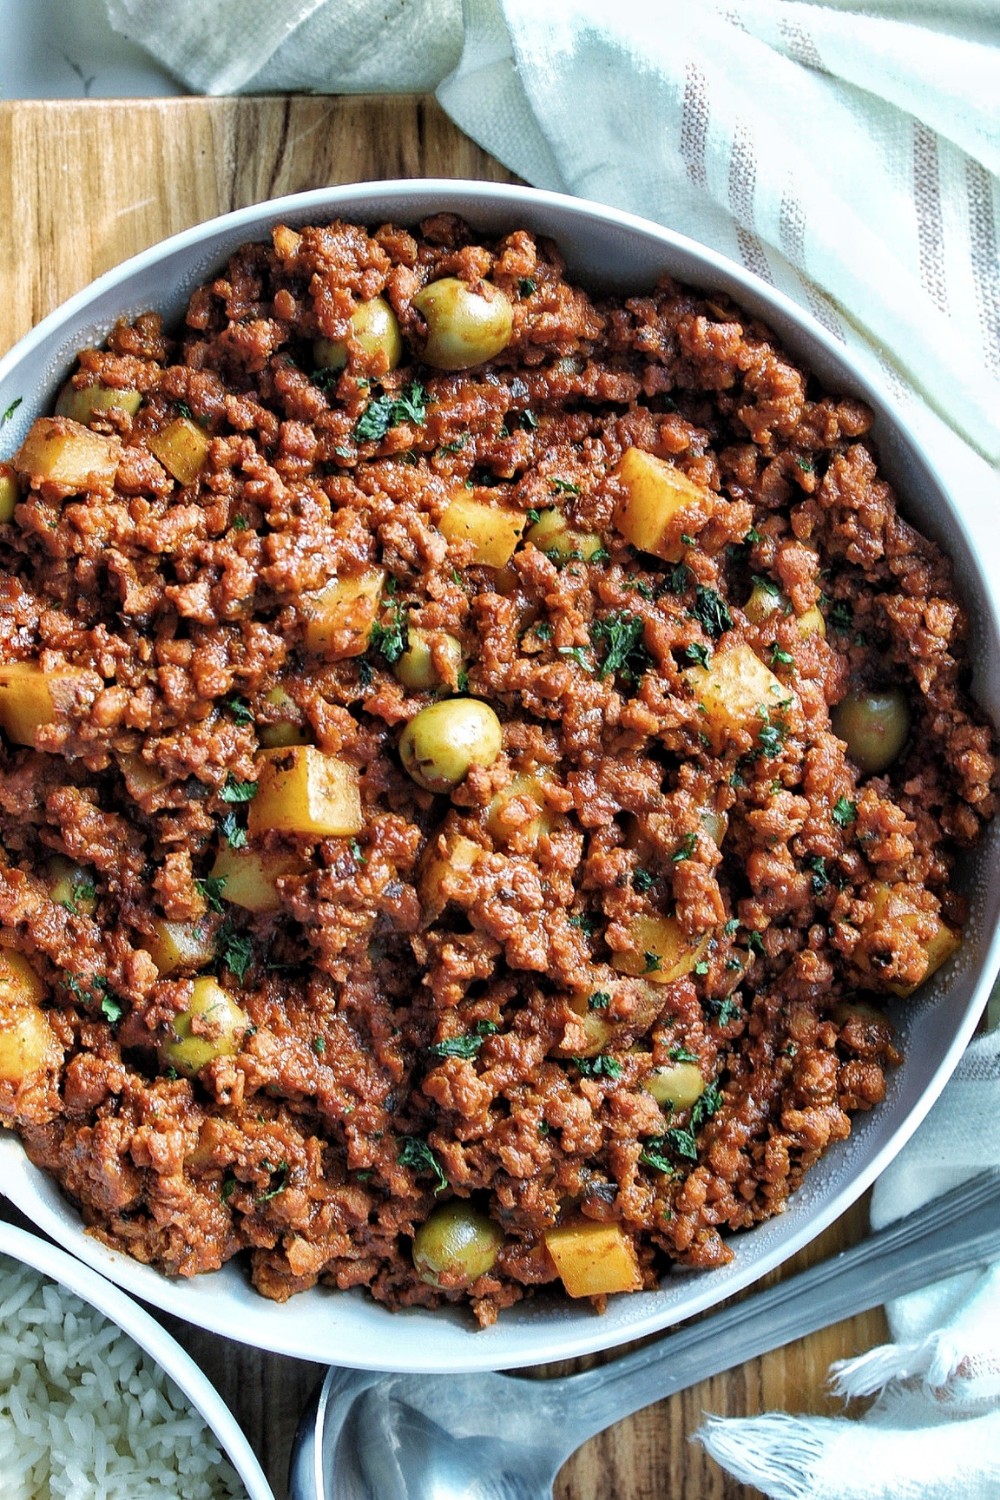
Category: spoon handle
[956,1232]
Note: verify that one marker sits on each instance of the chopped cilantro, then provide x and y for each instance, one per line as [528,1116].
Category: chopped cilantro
[237,791]
[682,1054]
[696,652]
[756,943]
[701,967]
[820,878]
[410,405]
[390,640]
[677,579]
[780,656]
[599,1000]
[651,962]
[844,812]
[526,286]
[465,1046]
[414,1152]
[318,1045]
[723,1011]
[533,515]
[239,708]
[579,655]
[456,446]
[235,951]
[463,681]
[543,630]
[12,408]
[586,921]
[804,465]
[841,614]
[279,1180]
[685,848]
[768,585]
[655,1154]
[711,609]
[239,523]
[326,378]
[642,880]
[564,487]
[232,830]
[601,1066]
[621,633]
[211,887]
[356,850]
[752,536]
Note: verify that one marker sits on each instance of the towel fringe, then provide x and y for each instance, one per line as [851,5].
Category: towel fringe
[776,1453]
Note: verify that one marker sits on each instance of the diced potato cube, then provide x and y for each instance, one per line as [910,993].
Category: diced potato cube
[83,403]
[502,821]
[10,493]
[594,1259]
[303,790]
[58,450]
[340,617]
[493,531]
[174,946]
[25,1032]
[660,502]
[19,984]
[448,858]
[251,877]
[893,903]
[659,949]
[141,779]
[737,693]
[182,448]
[553,535]
[30,698]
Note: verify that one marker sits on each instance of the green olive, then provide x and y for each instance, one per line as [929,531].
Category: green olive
[455,1242]
[71,886]
[466,325]
[416,668]
[218,1029]
[873,725]
[89,401]
[679,1085]
[10,492]
[374,329]
[443,741]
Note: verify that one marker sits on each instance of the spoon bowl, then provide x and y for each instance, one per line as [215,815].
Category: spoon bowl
[501,1437]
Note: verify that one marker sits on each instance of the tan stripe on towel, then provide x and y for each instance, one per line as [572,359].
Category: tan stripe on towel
[930,227]
[985,258]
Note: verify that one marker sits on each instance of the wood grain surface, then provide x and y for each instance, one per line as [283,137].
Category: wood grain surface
[83,185]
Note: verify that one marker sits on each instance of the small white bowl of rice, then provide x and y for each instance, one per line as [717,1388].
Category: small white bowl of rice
[97,1401]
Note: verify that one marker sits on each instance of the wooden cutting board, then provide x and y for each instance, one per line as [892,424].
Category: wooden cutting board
[83,184]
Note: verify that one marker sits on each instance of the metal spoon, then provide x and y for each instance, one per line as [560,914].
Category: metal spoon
[372,1436]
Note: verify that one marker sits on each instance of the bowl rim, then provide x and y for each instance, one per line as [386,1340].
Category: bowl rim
[464,1349]
[119,1308]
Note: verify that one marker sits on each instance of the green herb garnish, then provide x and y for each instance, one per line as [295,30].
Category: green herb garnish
[237,791]
[622,633]
[601,1066]
[409,405]
[844,812]
[414,1152]
[233,831]
[211,887]
[711,609]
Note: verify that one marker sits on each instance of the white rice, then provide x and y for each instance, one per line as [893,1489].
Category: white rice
[85,1414]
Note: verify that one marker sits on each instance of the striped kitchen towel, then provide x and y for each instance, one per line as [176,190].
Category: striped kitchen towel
[847,153]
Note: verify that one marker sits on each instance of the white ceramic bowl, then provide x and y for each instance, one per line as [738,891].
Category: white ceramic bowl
[147,1333]
[608,249]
